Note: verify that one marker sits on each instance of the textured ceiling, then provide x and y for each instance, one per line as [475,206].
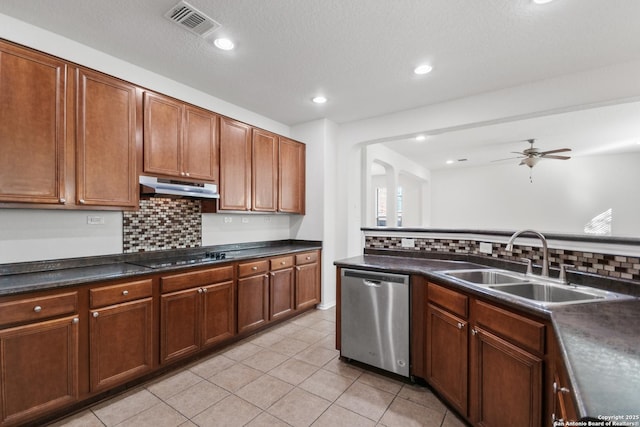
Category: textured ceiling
[359,53]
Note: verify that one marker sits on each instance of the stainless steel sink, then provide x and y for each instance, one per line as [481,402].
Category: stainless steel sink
[551,293]
[542,291]
[486,277]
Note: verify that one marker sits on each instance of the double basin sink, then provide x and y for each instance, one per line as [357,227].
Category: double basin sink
[534,289]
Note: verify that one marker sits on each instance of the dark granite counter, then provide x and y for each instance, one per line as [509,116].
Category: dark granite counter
[20,278]
[600,341]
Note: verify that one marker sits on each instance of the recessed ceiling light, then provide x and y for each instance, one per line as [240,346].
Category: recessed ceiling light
[224,44]
[450,162]
[542,1]
[423,69]
[319,99]
[420,138]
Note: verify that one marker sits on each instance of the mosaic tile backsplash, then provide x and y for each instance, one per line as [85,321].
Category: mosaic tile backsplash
[162,224]
[614,266]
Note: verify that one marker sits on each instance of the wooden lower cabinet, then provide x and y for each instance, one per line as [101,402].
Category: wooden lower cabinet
[120,343]
[485,361]
[446,356]
[281,289]
[39,369]
[506,383]
[253,302]
[307,280]
[196,317]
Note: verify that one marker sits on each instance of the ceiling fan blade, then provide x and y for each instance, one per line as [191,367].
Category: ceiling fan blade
[559,150]
[508,158]
[557,157]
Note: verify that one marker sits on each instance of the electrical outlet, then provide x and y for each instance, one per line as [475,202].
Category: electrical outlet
[486,248]
[227,219]
[408,243]
[95,220]
[245,220]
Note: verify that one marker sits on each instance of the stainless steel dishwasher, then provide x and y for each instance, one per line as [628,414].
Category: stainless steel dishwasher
[375,319]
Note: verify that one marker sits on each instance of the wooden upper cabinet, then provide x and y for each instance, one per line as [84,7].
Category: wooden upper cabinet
[235,165]
[179,140]
[200,148]
[264,178]
[106,141]
[291,177]
[162,134]
[32,126]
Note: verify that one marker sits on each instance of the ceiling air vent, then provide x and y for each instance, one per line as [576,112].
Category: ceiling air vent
[190,18]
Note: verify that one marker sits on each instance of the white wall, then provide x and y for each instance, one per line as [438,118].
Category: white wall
[562,198]
[565,93]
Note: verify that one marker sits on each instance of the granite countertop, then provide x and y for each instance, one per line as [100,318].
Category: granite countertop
[20,278]
[599,341]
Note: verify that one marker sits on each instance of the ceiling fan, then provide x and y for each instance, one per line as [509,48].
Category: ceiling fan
[532,155]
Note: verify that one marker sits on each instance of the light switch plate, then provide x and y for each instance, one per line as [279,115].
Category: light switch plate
[408,243]
[486,248]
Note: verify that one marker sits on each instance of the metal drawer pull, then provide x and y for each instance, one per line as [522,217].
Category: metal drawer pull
[37,309]
[254,268]
[125,293]
[96,314]
[283,262]
[308,258]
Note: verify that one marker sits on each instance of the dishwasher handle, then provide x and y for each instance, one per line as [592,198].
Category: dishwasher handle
[372,283]
[376,277]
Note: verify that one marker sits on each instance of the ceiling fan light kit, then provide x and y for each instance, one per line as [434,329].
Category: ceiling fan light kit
[532,155]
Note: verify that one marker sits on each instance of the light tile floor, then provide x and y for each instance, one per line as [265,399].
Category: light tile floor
[289,375]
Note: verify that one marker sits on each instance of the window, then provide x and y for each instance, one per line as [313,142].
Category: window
[381,207]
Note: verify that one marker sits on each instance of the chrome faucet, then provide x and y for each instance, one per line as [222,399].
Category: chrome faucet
[545,249]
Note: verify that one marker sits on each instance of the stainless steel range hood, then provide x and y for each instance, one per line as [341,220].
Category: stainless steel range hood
[160,187]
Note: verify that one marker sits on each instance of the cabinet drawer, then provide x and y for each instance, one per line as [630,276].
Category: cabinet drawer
[282,262]
[38,308]
[109,295]
[520,330]
[181,281]
[252,268]
[453,301]
[306,258]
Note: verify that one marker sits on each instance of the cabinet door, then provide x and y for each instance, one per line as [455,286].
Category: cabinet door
[253,302]
[120,343]
[235,165]
[39,368]
[264,179]
[162,134]
[506,383]
[282,293]
[32,126]
[180,324]
[307,286]
[106,141]
[291,177]
[200,148]
[446,356]
[218,310]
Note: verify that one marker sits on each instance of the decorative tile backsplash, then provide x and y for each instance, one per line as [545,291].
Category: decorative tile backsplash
[615,266]
[162,223]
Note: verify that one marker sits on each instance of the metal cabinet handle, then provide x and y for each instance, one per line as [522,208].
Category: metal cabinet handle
[254,268]
[37,309]
[460,325]
[75,320]
[96,314]
[187,173]
[63,200]
[204,290]
[200,290]
[283,262]
[308,258]
[559,389]
[81,201]
[474,332]
[125,293]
